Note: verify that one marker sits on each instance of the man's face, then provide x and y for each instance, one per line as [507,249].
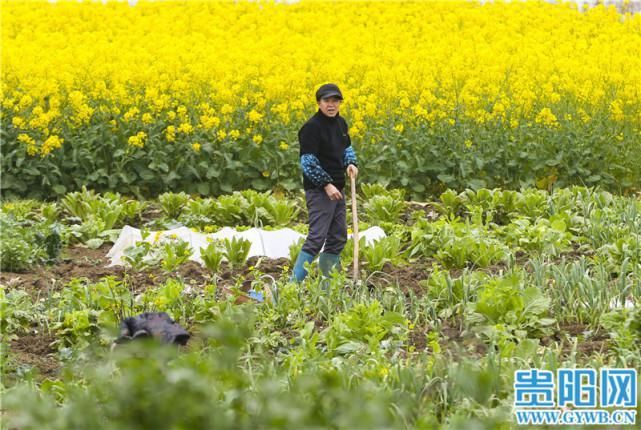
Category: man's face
[329,106]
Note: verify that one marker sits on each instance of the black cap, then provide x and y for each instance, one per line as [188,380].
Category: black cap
[328,90]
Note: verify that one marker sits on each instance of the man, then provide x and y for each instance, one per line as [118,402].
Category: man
[325,154]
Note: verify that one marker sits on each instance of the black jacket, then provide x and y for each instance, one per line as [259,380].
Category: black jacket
[326,138]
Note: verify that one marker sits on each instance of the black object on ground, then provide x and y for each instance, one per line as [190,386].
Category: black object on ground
[153,324]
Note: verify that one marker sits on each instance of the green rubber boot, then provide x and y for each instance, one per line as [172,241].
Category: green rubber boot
[299,272]
[328,262]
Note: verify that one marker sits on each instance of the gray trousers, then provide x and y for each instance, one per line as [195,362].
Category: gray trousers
[327,224]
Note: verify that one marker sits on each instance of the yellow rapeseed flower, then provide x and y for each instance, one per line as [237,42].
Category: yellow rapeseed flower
[616,112]
[547,118]
[25,101]
[185,128]
[32,148]
[26,139]
[131,114]
[207,121]
[254,116]
[138,140]
[18,122]
[52,142]
[170,134]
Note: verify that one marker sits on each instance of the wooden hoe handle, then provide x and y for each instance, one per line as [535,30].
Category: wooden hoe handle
[354,228]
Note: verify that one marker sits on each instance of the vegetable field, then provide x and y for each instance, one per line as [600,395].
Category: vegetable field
[463,291]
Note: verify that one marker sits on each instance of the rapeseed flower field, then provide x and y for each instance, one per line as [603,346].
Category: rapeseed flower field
[207,96]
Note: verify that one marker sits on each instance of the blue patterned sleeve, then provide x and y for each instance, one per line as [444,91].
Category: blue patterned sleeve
[313,170]
[349,157]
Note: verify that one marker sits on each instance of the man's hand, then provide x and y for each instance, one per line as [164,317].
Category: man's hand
[332,192]
[352,171]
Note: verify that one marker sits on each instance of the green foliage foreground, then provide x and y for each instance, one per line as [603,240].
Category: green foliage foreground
[225,385]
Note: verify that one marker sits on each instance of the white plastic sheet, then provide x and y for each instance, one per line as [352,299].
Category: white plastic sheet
[268,243]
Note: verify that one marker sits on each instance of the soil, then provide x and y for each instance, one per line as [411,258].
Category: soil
[151,213]
[35,351]
[75,262]
[91,264]
[597,342]
[429,212]
[452,339]
[407,278]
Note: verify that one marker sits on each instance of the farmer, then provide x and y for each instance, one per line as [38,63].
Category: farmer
[325,154]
